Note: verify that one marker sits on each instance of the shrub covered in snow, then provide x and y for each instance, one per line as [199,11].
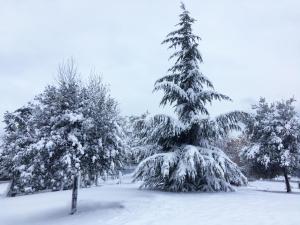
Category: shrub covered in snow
[186,159]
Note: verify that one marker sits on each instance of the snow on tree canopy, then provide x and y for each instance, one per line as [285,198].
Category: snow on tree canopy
[186,159]
[274,134]
[70,128]
[190,168]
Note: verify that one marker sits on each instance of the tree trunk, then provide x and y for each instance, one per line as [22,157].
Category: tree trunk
[287,182]
[96,179]
[74,195]
[9,190]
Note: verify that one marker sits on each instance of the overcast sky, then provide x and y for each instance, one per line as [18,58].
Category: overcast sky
[250,48]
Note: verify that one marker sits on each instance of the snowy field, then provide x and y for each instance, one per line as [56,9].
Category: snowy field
[261,203]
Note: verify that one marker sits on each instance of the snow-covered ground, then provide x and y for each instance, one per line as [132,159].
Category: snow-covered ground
[261,203]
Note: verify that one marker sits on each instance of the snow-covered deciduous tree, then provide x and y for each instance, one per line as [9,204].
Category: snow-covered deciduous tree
[70,131]
[19,135]
[65,137]
[187,159]
[274,134]
[104,136]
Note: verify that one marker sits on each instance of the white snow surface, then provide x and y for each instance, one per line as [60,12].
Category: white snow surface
[261,203]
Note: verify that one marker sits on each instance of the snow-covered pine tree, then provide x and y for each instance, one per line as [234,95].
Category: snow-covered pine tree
[188,161]
[274,134]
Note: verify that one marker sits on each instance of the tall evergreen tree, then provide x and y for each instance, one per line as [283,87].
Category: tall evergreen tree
[188,161]
[184,86]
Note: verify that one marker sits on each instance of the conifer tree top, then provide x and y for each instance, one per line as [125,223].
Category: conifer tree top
[185,87]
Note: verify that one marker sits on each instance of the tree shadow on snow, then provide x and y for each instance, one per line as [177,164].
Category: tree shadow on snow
[95,206]
[61,213]
[279,192]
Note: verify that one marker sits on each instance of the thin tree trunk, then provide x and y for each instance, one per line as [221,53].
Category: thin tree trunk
[287,182]
[9,191]
[74,195]
[96,179]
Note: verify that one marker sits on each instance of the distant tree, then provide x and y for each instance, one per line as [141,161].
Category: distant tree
[139,148]
[274,134]
[233,146]
[188,160]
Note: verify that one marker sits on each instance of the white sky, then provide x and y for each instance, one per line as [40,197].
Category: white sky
[250,48]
